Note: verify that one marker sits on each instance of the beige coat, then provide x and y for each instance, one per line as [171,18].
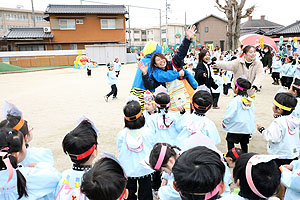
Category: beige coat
[255,74]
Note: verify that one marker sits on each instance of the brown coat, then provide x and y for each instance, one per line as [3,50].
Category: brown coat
[255,74]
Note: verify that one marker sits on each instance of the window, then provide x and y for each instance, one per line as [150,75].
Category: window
[150,32]
[73,46]
[206,29]
[108,24]
[1,28]
[136,39]
[143,32]
[136,32]
[39,18]
[163,31]
[79,21]
[32,48]
[57,47]
[67,24]
[0,15]
[144,40]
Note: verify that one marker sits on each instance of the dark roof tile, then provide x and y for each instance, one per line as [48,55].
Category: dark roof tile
[258,23]
[27,33]
[85,9]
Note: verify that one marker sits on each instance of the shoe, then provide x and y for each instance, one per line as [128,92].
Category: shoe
[216,107]
[274,83]
[155,193]
[106,98]
[114,98]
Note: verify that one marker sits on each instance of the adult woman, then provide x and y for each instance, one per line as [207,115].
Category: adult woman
[203,73]
[247,66]
[267,58]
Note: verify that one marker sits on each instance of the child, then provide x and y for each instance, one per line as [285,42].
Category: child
[291,179]
[150,105]
[239,119]
[134,144]
[276,68]
[232,155]
[14,119]
[290,71]
[89,68]
[257,176]
[198,174]
[295,90]
[216,92]
[283,133]
[110,178]
[112,81]
[163,122]
[81,145]
[35,182]
[197,122]
[117,66]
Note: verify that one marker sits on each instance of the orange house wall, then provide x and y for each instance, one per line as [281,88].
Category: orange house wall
[90,30]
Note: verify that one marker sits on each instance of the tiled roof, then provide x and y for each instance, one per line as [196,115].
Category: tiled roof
[290,29]
[258,23]
[85,9]
[224,20]
[27,33]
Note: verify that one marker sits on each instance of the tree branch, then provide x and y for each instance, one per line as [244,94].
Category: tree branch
[249,11]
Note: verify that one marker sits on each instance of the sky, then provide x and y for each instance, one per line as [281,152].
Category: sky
[274,10]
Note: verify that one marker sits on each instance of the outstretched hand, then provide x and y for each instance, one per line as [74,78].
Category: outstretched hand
[142,67]
[190,32]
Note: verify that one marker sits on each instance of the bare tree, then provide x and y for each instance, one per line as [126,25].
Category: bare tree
[233,10]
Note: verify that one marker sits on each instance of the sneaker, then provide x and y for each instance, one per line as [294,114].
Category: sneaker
[106,98]
[114,98]
[216,107]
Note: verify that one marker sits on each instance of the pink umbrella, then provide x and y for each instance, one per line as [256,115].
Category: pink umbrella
[254,39]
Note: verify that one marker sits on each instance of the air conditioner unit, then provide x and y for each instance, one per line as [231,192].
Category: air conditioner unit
[47,30]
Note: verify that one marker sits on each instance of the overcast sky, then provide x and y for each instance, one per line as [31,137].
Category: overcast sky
[282,12]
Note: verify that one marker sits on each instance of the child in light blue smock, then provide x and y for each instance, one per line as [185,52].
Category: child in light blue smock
[17,182]
[135,142]
[150,105]
[197,122]
[216,92]
[239,119]
[163,123]
[81,145]
[14,119]
[290,177]
[295,90]
[117,66]
[290,71]
[112,82]
[283,133]
[276,69]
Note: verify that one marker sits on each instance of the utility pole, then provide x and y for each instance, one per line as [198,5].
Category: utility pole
[185,21]
[167,39]
[32,14]
[129,31]
[80,2]
[160,42]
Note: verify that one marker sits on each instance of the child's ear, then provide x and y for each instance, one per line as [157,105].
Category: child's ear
[238,183]
[94,154]
[126,194]
[16,155]
[222,188]
[280,111]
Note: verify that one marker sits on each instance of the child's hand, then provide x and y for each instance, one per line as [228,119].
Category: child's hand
[289,167]
[163,182]
[181,73]
[258,126]
[190,32]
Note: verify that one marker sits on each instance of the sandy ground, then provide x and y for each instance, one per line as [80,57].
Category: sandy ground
[52,101]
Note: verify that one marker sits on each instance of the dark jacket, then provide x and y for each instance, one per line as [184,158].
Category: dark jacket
[267,60]
[208,80]
[177,61]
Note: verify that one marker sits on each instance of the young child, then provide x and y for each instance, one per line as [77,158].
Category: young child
[276,69]
[283,133]
[198,174]
[134,144]
[257,180]
[239,119]
[35,182]
[216,92]
[232,155]
[295,90]
[110,178]
[112,81]
[150,105]
[291,179]
[81,146]
[117,67]
[290,71]
[163,123]
[197,122]
[14,119]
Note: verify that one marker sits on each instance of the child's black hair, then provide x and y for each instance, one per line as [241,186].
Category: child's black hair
[155,152]
[80,140]
[245,84]
[162,100]
[11,121]
[105,180]
[13,139]
[265,176]
[232,155]
[233,58]
[202,101]
[198,170]
[287,100]
[297,83]
[132,109]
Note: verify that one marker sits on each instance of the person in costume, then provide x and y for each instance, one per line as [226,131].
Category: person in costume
[161,70]
[257,176]
[14,119]
[239,119]
[112,82]
[81,146]
[18,182]
[283,133]
[109,172]
[290,177]
[197,122]
[150,105]
[134,144]
[163,123]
